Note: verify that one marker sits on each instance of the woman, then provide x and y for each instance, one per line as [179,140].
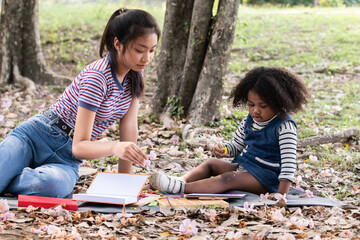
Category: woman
[42,155]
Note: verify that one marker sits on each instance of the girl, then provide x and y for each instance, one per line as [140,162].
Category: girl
[42,155]
[264,145]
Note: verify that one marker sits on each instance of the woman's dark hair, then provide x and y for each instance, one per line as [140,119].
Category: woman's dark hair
[282,90]
[127,25]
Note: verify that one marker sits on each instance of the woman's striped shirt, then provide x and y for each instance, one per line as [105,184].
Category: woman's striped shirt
[96,88]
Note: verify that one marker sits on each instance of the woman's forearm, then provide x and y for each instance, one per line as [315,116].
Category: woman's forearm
[93,149]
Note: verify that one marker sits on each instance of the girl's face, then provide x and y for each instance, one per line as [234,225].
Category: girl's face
[258,109]
[139,53]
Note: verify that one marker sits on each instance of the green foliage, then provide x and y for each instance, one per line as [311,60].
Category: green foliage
[342,192]
[344,158]
[322,3]
[281,2]
[299,38]
[183,146]
[152,117]
[176,110]
[153,204]
[72,28]
[215,7]
[349,3]
[115,160]
[229,125]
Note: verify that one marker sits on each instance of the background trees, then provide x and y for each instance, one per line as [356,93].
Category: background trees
[195,49]
[21,59]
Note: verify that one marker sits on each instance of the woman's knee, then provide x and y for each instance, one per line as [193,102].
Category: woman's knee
[49,184]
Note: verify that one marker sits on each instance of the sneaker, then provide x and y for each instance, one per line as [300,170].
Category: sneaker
[169,184]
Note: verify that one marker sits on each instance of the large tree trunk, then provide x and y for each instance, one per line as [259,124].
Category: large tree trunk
[173,52]
[196,49]
[207,44]
[21,59]
[207,98]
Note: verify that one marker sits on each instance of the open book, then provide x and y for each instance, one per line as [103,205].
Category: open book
[113,188]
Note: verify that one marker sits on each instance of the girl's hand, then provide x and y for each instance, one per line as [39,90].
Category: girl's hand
[129,151]
[219,151]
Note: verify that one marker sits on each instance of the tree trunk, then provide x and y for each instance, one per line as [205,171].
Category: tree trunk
[196,50]
[208,94]
[173,52]
[193,61]
[21,58]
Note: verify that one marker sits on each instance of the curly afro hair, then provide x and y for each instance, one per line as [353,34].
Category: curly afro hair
[282,90]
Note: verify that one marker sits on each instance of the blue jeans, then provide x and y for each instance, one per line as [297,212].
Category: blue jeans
[36,159]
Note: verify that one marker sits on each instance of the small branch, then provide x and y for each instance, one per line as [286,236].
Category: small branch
[332,138]
[4,234]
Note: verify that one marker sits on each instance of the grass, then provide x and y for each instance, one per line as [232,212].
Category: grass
[300,38]
[71,27]
[307,41]
[320,44]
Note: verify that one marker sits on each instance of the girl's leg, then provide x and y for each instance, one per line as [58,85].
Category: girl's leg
[49,180]
[15,155]
[52,169]
[209,168]
[232,180]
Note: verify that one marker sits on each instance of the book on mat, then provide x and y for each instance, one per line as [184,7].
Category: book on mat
[113,188]
[46,202]
[214,195]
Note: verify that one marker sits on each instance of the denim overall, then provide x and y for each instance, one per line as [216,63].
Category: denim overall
[261,156]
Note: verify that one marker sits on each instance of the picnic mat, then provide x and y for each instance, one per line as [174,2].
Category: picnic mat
[293,198]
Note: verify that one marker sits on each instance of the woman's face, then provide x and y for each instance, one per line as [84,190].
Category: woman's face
[139,52]
[258,109]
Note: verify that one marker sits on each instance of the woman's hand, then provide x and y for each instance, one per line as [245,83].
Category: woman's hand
[219,151]
[129,151]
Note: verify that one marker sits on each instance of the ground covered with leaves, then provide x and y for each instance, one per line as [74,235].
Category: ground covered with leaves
[176,149]
[329,170]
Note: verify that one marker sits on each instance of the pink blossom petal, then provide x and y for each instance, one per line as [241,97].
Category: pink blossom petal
[308,194]
[152,155]
[188,227]
[4,206]
[299,188]
[54,231]
[279,197]
[277,216]
[174,139]
[266,196]
[288,236]
[346,234]
[6,216]
[219,229]
[35,231]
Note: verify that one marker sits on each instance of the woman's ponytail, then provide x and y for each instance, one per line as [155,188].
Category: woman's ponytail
[107,39]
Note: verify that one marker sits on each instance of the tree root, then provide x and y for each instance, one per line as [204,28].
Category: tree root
[27,83]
